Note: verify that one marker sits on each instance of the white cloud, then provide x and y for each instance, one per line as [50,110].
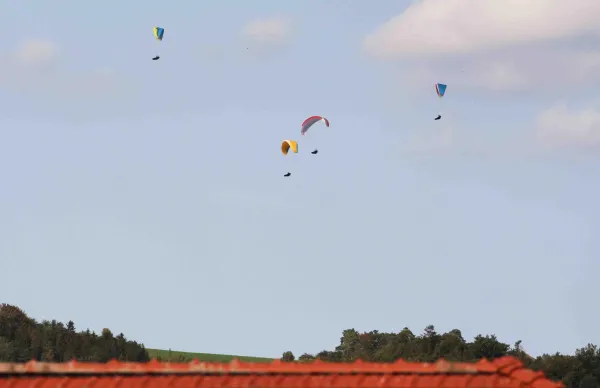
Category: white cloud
[559,128]
[502,45]
[455,141]
[547,70]
[502,76]
[563,127]
[463,26]
[34,52]
[34,68]
[271,32]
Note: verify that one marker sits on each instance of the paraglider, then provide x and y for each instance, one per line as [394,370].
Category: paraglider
[286,145]
[440,89]
[309,122]
[158,34]
[315,152]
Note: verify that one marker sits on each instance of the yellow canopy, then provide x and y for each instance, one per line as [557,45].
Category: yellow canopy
[287,144]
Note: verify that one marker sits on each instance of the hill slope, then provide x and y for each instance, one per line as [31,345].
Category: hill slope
[172,355]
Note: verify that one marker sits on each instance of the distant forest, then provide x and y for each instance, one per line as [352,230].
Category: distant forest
[23,338]
[580,370]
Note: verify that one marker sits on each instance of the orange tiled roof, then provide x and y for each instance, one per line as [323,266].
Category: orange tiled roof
[506,372]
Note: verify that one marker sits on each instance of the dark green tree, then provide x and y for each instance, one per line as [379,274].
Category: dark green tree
[306,357]
[288,357]
[581,370]
[23,339]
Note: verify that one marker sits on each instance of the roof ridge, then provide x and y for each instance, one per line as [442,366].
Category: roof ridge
[504,372]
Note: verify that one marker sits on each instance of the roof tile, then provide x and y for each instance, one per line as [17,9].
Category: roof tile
[506,372]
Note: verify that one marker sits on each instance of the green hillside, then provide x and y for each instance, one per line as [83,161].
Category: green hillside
[175,356]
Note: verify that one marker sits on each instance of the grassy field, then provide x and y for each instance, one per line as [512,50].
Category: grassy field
[175,356]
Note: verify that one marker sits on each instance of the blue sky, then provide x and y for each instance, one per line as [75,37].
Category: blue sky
[148,197]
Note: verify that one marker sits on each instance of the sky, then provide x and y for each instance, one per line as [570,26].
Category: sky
[148,196]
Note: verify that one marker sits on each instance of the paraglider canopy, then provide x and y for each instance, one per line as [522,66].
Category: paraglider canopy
[287,144]
[440,89]
[159,32]
[309,122]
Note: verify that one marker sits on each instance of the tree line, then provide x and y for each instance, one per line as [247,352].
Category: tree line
[579,370]
[23,339]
